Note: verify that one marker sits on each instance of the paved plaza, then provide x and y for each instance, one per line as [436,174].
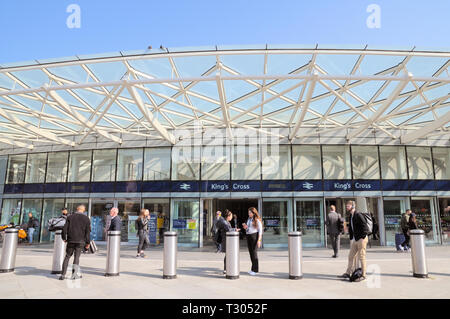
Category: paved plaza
[200,276]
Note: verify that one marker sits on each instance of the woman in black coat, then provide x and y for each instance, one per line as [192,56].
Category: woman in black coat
[224,226]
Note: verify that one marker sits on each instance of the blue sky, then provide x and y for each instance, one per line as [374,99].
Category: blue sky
[37,29]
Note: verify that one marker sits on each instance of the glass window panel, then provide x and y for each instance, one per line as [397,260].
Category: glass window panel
[426,218]
[16,169]
[444,214]
[336,162]
[100,218]
[159,207]
[33,206]
[310,222]
[419,163]
[441,160]
[57,167]
[185,221]
[72,204]
[129,212]
[80,166]
[52,208]
[104,166]
[393,210]
[10,211]
[185,165]
[276,161]
[246,163]
[365,162]
[35,172]
[393,162]
[129,164]
[307,162]
[216,162]
[157,164]
[276,225]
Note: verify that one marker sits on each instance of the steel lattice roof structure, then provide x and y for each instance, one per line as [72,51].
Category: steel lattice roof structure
[402,93]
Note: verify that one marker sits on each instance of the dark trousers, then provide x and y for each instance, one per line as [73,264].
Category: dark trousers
[252,243]
[143,241]
[406,242]
[225,263]
[70,250]
[335,242]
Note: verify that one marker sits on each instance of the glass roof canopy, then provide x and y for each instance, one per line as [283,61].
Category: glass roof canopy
[403,93]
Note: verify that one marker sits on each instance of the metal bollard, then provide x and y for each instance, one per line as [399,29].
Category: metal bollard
[170,255]
[59,249]
[419,261]
[232,255]
[295,255]
[113,253]
[9,250]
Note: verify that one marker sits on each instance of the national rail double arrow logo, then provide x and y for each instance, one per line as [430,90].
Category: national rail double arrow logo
[185,186]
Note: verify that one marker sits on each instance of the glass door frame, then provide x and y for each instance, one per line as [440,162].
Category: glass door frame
[405,204]
[438,214]
[323,237]
[117,200]
[200,223]
[435,217]
[290,215]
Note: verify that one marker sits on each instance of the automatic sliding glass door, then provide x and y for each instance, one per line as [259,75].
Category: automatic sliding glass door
[277,221]
[309,220]
[424,208]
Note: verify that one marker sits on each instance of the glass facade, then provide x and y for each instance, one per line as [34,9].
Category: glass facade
[240,163]
[306,161]
[157,163]
[57,167]
[441,160]
[35,172]
[104,166]
[393,162]
[419,162]
[365,162]
[80,166]
[129,164]
[16,169]
[336,162]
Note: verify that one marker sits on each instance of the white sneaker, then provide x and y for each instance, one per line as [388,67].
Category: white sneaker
[400,248]
[252,273]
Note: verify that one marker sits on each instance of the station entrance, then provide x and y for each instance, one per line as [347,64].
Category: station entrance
[238,207]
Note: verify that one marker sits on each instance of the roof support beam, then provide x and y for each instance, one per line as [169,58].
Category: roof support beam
[382,108]
[223,105]
[84,121]
[305,106]
[16,143]
[149,116]
[441,121]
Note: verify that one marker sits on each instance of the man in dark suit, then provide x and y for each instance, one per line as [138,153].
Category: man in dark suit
[76,233]
[116,222]
[334,221]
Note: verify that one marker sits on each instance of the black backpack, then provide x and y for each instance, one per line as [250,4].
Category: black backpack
[356,274]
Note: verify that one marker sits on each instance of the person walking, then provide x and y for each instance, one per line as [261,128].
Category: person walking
[142,232]
[404,223]
[254,232]
[116,222]
[32,225]
[335,226]
[214,232]
[76,233]
[358,232]
[234,221]
[224,226]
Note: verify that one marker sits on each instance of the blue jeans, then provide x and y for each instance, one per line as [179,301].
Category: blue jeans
[30,235]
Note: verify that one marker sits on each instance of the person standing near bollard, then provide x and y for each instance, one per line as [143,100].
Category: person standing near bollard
[254,232]
[404,223]
[76,233]
[335,226]
[224,226]
[358,231]
[32,225]
[215,233]
[142,232]
[116,222]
